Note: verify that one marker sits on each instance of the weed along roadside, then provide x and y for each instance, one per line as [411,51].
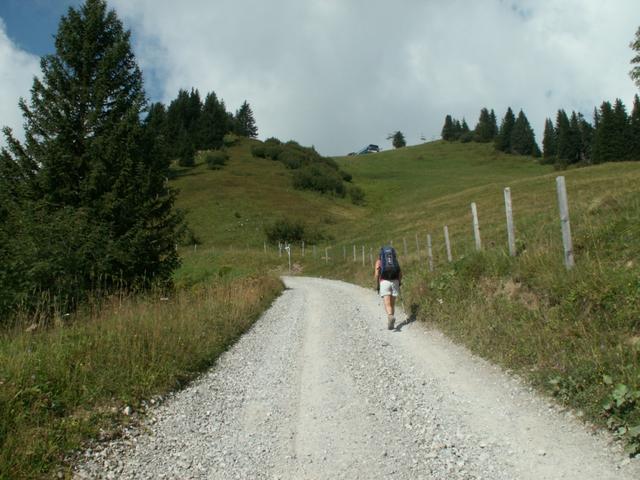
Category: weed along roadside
[65,385]
[565,321]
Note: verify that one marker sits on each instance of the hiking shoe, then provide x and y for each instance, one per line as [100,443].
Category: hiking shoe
[391,320]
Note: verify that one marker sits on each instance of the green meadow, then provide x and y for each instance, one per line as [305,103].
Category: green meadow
[573,334]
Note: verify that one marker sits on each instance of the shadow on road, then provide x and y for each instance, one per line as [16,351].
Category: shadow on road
[412,317]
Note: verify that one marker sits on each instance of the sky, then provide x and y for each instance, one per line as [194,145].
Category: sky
[341,74]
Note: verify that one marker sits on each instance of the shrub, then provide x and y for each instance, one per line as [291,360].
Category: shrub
[291,159]
[216,159]
[285,230]
[272,141]
[320,178]
[259,151]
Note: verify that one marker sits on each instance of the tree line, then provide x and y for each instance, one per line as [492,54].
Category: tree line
[188,124]
[514,135]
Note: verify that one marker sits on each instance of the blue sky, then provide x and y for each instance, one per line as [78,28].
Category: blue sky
[31,24]
[340,74]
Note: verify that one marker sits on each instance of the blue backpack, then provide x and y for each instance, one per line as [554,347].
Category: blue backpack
[389,266]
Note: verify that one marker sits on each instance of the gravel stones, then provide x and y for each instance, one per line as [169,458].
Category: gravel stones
[319,388]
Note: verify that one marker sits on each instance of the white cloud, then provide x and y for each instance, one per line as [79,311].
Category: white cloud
[340,74]
[17,69]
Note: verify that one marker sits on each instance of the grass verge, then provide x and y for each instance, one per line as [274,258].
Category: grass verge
[62,386]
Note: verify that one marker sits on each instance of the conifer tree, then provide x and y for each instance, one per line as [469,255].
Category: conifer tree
[99,201]
[448,129]
[635,71]
[214,122]
[564,137]
[397,139]
[503,139]
[484,131]
[494,124]
[549,143]
[523,140]
[634,130]
[245,123]
[610,137]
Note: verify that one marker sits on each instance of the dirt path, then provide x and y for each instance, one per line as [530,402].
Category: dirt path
[320,389]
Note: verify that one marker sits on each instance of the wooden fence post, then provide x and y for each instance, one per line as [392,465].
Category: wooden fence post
[265,246]
[355,259]
[511,236]
[314,251]
[363,260]
[344,251]
[476,226]
[279,249]
[371,257]
[326,255]
[303,248]
[417,245]
[563,203]
[447,243]
[429,252]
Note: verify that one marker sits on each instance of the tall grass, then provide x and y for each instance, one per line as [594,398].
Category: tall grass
[65,384]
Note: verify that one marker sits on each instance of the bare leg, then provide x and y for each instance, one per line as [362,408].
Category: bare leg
[388,304]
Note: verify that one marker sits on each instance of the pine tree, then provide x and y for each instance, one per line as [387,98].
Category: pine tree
[214,122]
[503,139]
[100,204]
[634,130]
[523,140]
[564,137]
[549,143]
[494,124]
[635,71]
[448,129]
[484,131]
[245,123]
[397,139]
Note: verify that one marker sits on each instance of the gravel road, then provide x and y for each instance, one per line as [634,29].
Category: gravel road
[320,389]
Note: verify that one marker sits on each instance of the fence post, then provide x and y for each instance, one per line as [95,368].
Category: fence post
[303,248]
[404,240]
[476,226]
[417,245]
[429,252]
[326,255]
[563,203]
[265,246]
[371,256]
[511,236]
[447,243]
[314,251]
[344,251]
[355,259]
[279,249]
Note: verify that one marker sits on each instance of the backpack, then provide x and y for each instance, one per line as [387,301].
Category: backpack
[389,266]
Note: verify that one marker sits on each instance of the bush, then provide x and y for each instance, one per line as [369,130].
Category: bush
[285,230]
[319,178]
[272,141]
[216,159]
[259,151]
[291,159]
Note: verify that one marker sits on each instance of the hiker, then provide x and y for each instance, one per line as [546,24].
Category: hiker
[388,276]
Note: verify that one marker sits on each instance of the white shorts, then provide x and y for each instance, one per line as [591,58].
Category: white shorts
[389,287]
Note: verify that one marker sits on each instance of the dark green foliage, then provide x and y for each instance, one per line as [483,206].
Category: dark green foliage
[448,129]
[245,124]
[634,130]
[503,139]
[523,140]
[216,159]
[88,203]
[214,123]
[312,171]
[319,177]
[397,139]
[635,71]
[291,231]
[485,130]
[612,137]
[549,143]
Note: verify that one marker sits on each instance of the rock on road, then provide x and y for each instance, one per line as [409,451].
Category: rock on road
[318,388]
